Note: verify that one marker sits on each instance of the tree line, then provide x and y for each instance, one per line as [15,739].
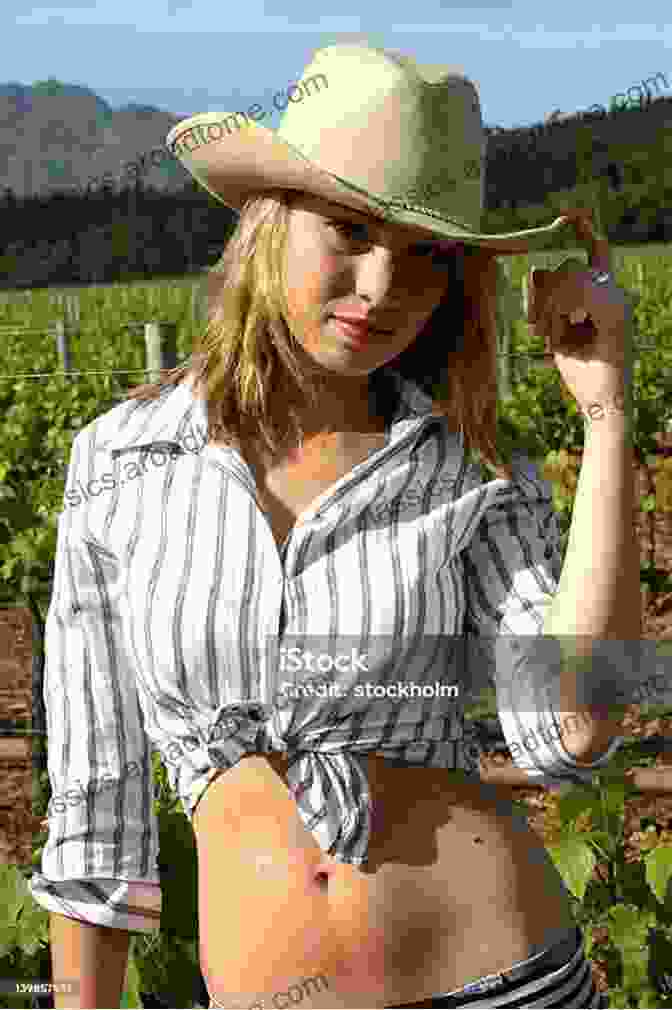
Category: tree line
[531,175]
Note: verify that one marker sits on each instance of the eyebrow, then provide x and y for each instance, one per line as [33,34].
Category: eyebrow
[347,213]
[336,209]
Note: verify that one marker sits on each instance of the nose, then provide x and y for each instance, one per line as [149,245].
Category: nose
[377,273]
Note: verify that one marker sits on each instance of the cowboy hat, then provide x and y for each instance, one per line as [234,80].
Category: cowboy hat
[396,139]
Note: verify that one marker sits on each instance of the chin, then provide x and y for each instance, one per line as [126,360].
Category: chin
[335,364]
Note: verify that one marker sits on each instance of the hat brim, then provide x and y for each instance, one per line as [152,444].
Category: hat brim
[254,159]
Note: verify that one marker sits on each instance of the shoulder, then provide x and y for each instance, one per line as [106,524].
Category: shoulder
[132,421]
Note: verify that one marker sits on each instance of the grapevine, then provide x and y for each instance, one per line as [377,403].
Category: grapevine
[38,421]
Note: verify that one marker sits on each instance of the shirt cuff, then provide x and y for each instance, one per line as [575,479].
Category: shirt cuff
[119,904]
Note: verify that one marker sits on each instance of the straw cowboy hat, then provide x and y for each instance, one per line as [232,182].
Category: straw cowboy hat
[381,133]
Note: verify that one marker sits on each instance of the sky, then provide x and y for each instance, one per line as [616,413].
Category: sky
[205,56]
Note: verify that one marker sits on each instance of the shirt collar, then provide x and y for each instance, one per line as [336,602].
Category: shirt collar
[179,412]
[411,399]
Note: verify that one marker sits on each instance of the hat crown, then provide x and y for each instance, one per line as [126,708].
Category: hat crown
[367,128]
[354,102]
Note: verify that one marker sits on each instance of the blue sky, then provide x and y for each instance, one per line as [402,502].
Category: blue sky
[527,60]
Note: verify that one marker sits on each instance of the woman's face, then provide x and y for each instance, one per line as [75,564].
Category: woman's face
[341,260]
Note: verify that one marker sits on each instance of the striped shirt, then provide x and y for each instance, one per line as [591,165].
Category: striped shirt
[176,625]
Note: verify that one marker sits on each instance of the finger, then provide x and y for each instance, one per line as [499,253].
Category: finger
[565,287]
[536,297]
[570,264]
[546,328]
[558,331]
[543,323]
[599,256]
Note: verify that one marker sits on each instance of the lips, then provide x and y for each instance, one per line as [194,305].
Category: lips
[359,327]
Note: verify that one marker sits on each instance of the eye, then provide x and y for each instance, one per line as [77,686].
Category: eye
[439,254]
[357,231]
[350,228]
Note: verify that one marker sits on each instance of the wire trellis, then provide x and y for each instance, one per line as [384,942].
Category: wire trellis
[129,371]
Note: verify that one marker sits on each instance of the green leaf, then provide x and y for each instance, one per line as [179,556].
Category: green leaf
[629,927]
[619,998]
[577,801]
[613,797]
[131,995]
[13,893]
[658,864]
[635,968]
[38,421]
[575,861]
[605,842]
[25,923]
[179,913]
[648,998]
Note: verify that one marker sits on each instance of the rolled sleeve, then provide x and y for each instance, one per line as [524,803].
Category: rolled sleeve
[115,903]
[512,568]
[100,861]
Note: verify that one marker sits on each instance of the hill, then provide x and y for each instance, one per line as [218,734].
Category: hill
[57,136]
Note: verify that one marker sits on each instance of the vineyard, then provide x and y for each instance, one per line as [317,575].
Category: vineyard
[612,841]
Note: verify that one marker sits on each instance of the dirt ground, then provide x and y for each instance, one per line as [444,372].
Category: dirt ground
[16,821]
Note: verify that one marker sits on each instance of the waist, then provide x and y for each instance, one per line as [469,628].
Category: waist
[507,902]
[385,776]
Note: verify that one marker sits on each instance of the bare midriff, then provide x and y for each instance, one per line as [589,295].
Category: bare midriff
[456,885]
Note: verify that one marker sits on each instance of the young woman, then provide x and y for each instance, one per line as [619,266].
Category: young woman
[349,852]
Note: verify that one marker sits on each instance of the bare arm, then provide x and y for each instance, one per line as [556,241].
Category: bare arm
[94,956]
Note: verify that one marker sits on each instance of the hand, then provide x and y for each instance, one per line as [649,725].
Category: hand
[587,326]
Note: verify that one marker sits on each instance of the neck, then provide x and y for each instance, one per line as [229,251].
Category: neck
[343,405]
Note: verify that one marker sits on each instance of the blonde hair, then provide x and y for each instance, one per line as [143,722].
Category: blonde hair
[245,363]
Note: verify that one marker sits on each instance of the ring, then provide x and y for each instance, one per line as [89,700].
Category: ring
[600,277]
